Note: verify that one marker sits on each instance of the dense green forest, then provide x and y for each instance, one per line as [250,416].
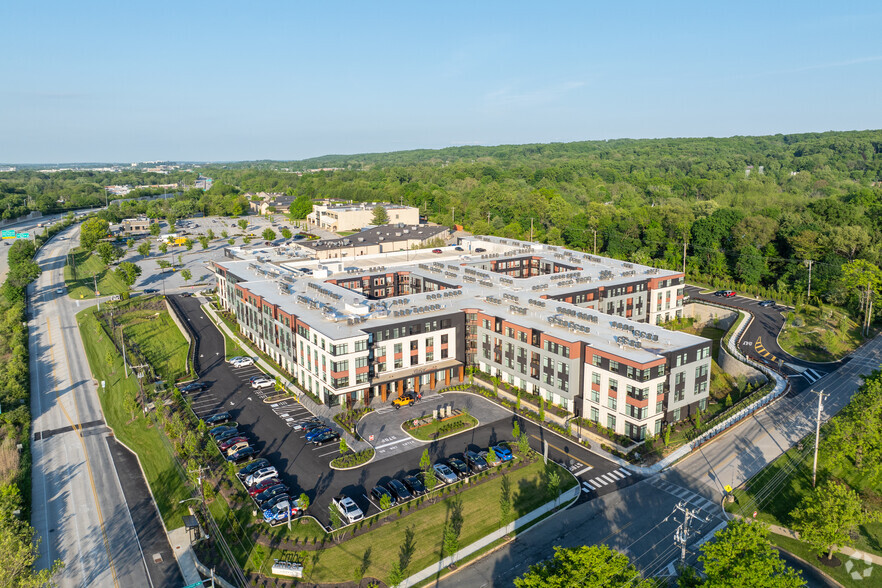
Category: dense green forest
[751,210]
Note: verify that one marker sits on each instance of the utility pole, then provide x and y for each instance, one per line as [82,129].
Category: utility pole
[531,230]
[95,281]
[809,297]
[595,241]
[817,438]
[684,257]
[683,532]
[488,218]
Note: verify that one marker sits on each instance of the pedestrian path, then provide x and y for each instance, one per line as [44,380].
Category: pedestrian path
[685,495]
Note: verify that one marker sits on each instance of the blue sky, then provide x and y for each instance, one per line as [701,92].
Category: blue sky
[120,81]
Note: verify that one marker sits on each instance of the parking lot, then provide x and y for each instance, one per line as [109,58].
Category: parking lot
[303,467]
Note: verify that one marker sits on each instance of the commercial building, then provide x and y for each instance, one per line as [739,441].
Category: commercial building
[352,217]
[382,239]
[270,203]
[576,329]
[136,226]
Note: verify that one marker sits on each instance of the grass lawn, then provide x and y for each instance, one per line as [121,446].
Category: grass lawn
[840,574]
[776,490]
[346,233]
[819,334]
[232,348]
[159,339]
[139,434]
[431,431]
[480,511]
[87,266]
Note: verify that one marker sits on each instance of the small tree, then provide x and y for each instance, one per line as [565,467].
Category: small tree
[268,234]
[130,242]
[698,420]
[155,229]
[385,502]
[343,447]
[162,263]
[396,576]
[243,223]
[592,566]
[668,434]
[491,456]
[303,501]
[552,482]
[505,498]
[742,555]
[541,409]
[210,234]
[827,517]
[518,401]
[128,272]
[516,430]
[108,252]
[203,240]
[144,249]
[381,217]
[425,461]
[524,445]
[451,540]
[188,244]
[185,273]
[286,233]
[224,234]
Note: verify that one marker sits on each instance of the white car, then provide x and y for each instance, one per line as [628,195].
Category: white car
[347,507]
[444,473]
[262,383]
[59,291]
[261,475]
[241,361]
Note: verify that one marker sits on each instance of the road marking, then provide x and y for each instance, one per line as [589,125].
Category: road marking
[624,471]
[600,481]
[391,444]
[588,486]
[571,456]
[617,475]
[582,471]
[78,431]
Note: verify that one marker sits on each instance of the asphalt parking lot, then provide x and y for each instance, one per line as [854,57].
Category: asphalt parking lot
[304,467]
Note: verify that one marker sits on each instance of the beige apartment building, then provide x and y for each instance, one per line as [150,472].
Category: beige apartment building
[352,217]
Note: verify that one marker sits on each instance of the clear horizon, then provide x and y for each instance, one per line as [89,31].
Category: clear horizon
[217,82]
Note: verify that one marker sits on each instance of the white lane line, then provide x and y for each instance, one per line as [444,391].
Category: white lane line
[624,471]
[616,475]
[599,481]
[580,472]
[384,445]
[587,485]
[608,478]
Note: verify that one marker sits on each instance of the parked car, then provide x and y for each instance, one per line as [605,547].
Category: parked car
[195,387]
[218,419]
[281,512]
[150,291]
[301,425]
[475,462]
[720,292]
[444,474]
[253,467]
[495,461]
[243,454]
[261,475]
[766,303]
[228,434]
[398,491]
[326,437]
[378,492]
[728,294]
[227,443]
[265,485]
[215,431]
[459,467]
[276,500]
[241,361]
[316,432]
[313,425]
[236,447]
[347,507]
[270,492]
[503,451]
[262,383]
[458,249]
[415,485]
[480,250]
[405,399]
[436,251]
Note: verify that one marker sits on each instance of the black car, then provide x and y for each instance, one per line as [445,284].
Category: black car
[302,425]
[378,492]
[270,492]
[311,425]
[220,429]
[415,485]
[150,290]
[253,467]
[766,303]
[195,387]
[274,501]
[475,462]
[243,454]
[326,437]
[398,490]
[720,292]
[480,250]
[228,434]
[458,249]
[459,467]
[218,419]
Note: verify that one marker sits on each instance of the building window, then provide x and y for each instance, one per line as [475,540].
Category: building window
[611,422]
[595,414]
[443,339]
[661,370]
[613,385]
[430,356]
[612,403]
[614,366]
[676,415]
[444,353]
[595,378]
[399,363]
[701,388]
[678,395]
[595,396]
[659,406]
[702,404]
[361,345]
[595,360]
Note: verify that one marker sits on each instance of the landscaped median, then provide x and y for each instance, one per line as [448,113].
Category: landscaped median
[432,429]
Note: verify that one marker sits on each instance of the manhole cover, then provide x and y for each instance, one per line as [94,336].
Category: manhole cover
[157,558]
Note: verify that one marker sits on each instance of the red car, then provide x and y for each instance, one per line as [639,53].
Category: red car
[258,488]
[436,251]
[226,444]
[729,293]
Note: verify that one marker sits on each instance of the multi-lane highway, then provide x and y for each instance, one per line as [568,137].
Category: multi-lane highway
[80,511]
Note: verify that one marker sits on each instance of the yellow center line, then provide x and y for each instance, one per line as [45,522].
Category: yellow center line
[564,452]
[77,427]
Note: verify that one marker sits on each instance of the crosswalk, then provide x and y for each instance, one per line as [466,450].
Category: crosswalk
[606,479]
[812,376]
[763,351]
[685,495]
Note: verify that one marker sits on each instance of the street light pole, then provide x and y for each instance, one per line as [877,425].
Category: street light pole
[817,438]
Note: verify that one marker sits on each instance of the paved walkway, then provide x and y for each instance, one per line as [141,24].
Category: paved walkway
[183,550]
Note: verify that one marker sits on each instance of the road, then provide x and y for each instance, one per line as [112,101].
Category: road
[305,468]
[80,510]
[639,519]
[760,340]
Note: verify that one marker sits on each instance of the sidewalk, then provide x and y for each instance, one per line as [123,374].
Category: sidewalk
[180,542]
[319,410]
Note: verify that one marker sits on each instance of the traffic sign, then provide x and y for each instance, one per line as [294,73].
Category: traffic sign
[728,488]
[8,234]
[22,235]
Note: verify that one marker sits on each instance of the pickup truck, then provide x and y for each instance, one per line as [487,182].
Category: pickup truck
[348,509]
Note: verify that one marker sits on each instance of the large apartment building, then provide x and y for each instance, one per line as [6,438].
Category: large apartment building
[579,330]
[353,217]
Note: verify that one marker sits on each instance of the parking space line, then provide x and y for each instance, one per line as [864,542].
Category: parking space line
[384,445]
